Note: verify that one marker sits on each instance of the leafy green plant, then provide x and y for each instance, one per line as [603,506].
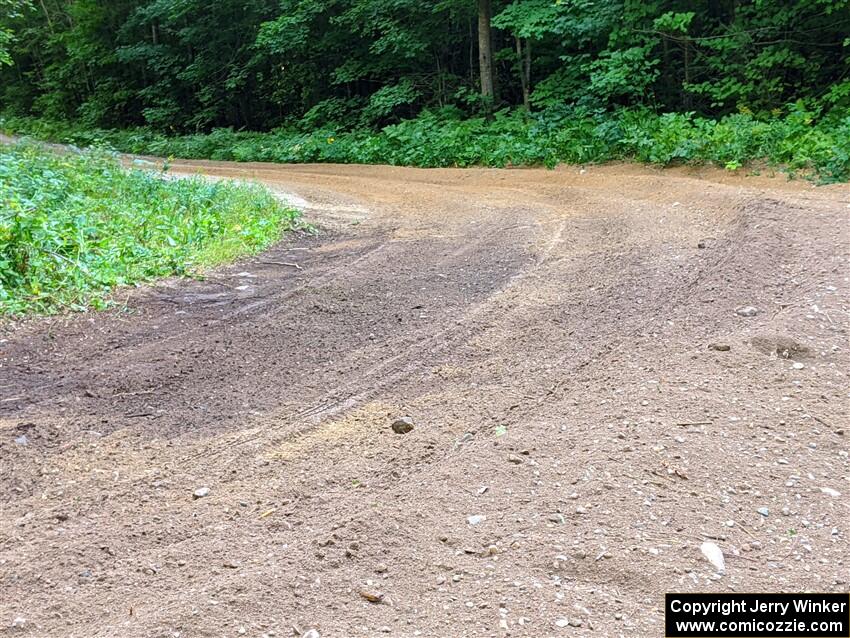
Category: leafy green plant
[73,226]
[803,139]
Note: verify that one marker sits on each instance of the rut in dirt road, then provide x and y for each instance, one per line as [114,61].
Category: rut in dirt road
[587,409]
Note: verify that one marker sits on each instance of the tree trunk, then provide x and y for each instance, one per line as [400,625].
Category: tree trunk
[47,16]
[524,60]
[485,48]
[439,80]
[471,66]
[686,94]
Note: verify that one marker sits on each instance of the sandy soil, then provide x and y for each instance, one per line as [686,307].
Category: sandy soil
[558,339]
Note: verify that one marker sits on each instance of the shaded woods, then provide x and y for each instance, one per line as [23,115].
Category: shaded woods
[190,65]
[449,83]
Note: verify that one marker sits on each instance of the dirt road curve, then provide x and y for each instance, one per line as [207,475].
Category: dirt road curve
[550,333]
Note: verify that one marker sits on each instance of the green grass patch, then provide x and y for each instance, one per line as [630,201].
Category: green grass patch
[73,226]
[799,140]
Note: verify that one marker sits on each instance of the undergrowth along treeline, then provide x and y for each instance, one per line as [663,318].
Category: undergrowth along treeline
[75,225]
[802,140]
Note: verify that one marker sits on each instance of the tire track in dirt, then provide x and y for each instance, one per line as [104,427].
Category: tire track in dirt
[383,376]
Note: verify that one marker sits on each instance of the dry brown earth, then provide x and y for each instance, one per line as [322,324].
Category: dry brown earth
[551,335]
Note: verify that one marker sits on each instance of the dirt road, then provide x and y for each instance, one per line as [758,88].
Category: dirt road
[559,339]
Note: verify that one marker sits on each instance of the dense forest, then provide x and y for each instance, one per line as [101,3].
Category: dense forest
[180,67]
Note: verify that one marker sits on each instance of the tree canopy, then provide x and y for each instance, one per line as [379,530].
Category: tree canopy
[192,65]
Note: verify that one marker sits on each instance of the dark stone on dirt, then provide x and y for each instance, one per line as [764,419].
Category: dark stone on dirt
[701,244]
[403,425]
[719,347]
